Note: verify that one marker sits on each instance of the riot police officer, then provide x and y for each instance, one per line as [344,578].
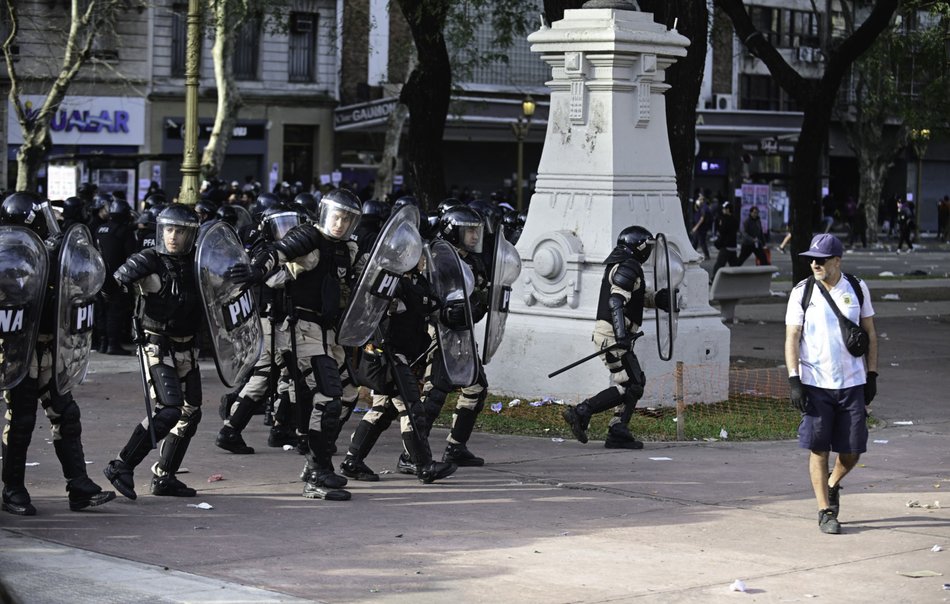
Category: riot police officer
[316,261]
[623,295]
[463,227]
[25,209]
[163,277]
[116,241]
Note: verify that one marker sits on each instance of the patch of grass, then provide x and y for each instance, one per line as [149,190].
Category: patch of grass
[749,419]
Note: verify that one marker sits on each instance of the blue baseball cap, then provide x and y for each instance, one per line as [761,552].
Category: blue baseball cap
[824,246]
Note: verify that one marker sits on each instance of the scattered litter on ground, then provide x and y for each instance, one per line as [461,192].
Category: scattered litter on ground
[912,308]
[913,503]
[936,548]
[288,447]
[201,528]
[891,297]
[497,407]
[360,409]
[895,364]
[917,574]
[904,423]
[88,463]
[880,442]
[385,472]
[215,477]
[557,439]
[32,464]
[723,434]
[738,585]
[661,459]
[885,274]
[776,294]
[882,335]
[201,506]
[514,403]
[548,400]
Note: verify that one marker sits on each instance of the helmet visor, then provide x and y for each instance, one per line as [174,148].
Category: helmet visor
[46,211]
[470,236]
[175,237]
[279,224]
[337,221]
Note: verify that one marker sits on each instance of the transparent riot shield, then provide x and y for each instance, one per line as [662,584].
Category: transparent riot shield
[453,281]
[397,249]
[236,335]
[506,266]
[668,272]
[82,273]
[23,273]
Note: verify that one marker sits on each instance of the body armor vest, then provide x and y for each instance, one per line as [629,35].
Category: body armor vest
[407,332]
[172,310]
[633,309]
[320,290]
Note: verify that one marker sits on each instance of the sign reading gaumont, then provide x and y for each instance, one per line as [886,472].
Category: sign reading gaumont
[87,120]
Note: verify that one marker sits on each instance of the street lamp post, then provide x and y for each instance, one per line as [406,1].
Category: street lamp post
[919,138]
[520,128]
[190,165]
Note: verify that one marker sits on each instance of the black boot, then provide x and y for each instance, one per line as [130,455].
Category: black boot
[619,437]
[322,482]
[280,436]
[16,500]
[363,441]
[461,456]
[119,474]
[426,470]
[357,469]
[169,486]
[84,493]
[405,465]
[231,440]
[578,418]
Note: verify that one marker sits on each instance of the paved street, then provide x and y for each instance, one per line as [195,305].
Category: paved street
[543,521]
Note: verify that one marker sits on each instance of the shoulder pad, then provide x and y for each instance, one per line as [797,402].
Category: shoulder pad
[627,274]
[138,266]
[300,241]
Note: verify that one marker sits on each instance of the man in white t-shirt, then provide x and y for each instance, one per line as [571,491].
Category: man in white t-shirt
[829,385]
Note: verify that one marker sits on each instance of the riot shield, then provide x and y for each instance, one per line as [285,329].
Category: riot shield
[236,335]
[23,272]
[453,281]
[82,273]
[397,249]
[667,274]
[506,266]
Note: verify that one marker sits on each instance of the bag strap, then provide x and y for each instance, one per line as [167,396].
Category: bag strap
[833,304]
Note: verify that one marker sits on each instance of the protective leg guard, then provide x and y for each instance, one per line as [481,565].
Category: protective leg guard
[578,418]
[14,459]
[231,440]
[427,470]
[70,454]
[138,446]
[84,493]
[604,400]
[433,403]
[463,425]
[225,404]
[119,474]
[167,385]
[281,435]
[364,438]
[619,437]
[242,412]
[320,462]
[172,453]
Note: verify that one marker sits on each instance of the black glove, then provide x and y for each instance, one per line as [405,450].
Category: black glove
[453,315]
[870,387]
[245,273]
[797,395]
[662,299]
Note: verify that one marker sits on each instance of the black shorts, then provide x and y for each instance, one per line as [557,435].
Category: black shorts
[836,420]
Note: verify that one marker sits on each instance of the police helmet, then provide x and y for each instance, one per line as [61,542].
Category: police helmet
[339,213]
[206,210]
[101,200]
[462,227]
[374,208]
[228,214]
[87,191]
[26,209]
[405,200]
[119,210]
[306,203]
[155,199]
[264,201]
[278,221]
[447,204]
[633,242]
[176,230]
[74,209]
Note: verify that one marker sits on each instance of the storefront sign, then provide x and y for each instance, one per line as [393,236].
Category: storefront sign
[353,115]
[86,120]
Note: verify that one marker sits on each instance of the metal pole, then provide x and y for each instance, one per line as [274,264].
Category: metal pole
[519,185]
[190,165]
[680,398]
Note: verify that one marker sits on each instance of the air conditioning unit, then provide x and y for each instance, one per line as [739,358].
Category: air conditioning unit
[722,102]
[302,23]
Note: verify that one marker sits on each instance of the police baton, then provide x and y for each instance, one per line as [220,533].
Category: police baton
[140,343]
[595,355]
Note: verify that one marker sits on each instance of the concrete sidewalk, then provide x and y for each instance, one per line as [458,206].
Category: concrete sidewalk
[543,521]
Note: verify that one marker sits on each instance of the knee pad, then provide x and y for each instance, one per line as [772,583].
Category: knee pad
[167,385]
[165,419]
[433,406]
[327,375]
[191,427]
[636,379]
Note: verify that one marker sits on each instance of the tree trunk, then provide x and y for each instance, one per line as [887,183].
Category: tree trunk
[817,99]
[394,126]
[871,175]
[426,94]
[229,99]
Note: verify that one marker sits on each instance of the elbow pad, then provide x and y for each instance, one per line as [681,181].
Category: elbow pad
[137,267]
[300,241]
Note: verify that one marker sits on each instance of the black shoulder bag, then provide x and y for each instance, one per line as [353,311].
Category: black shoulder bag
[856,339]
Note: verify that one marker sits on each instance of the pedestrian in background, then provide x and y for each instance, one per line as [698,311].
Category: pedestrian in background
[829,385]
[753,239]
[703,222]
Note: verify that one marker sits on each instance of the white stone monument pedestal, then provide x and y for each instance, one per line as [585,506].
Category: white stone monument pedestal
[606,165]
